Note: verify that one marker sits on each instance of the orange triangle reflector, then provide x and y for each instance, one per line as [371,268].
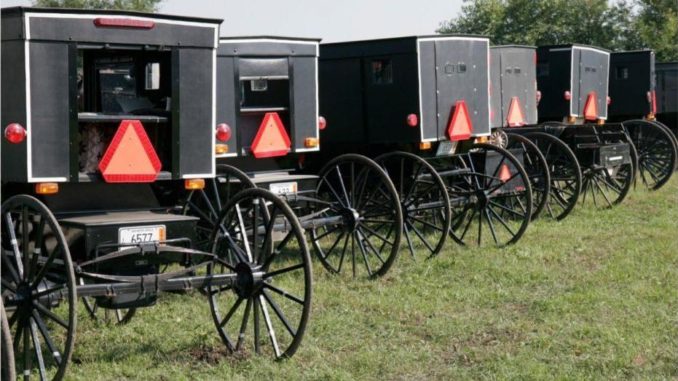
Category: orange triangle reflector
[591,107]
[460,126]
[271,139]
[504,173]
[515,114]
[130,158]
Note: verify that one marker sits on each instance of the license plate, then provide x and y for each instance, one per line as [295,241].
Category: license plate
[141,234]
[446,148]
[283,188]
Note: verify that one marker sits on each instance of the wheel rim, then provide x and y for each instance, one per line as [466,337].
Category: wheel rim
[207,203]
[486,206]
[38,288]
[566,177]
[607,187]
[367,222]
[266,315]
[537,170]
[423,198]
[656,152]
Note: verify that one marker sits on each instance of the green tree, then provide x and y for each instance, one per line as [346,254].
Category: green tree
[622,25]
[129,5]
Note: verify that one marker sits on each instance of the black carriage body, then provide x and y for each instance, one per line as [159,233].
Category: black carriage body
[260,75]
[667,87]
[73,69]
[632,83]
[512,73]
[667,94]
[74,73]
[577,69]
[369,88]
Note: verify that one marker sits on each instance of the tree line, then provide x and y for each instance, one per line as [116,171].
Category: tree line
[615,25]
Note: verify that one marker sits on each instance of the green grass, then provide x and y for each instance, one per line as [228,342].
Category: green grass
[592,297]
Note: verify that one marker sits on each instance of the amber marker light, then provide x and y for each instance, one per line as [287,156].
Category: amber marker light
[46,188]
[194,184]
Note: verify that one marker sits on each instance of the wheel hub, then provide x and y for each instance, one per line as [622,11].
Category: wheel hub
[482,198]
[244,282]
[351,218]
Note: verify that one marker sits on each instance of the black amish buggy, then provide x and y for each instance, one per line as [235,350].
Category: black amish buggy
[514,98]
[667,94]
[109,122]
[597,158]
[267,91]
[419,105]
[634,102]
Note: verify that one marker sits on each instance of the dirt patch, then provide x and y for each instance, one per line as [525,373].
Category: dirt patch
[214,355]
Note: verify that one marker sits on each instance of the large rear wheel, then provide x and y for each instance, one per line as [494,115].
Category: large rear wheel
[423,198]
[491,199]
[267,308]
[656,152]
[38,288]
[566,176]
[359,217]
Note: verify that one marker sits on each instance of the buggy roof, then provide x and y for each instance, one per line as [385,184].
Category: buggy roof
[563,46]
[67,11]
[513,46]
[415,37]
[275,38]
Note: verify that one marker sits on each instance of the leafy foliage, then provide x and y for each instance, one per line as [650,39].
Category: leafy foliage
[128,5]
[621,25]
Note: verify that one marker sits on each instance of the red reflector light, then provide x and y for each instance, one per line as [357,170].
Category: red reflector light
[412,120]
[15,133]
[460,126]
[538,96]
[223,132]
[591,106]
[609,101]
[515,114]
[130,158]
[653,101]
[568,95]
[271,139]
[322,123]
[110,22]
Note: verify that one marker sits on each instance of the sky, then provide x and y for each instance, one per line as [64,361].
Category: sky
[331,20]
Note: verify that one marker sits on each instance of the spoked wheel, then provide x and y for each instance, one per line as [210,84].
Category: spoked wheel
[423,199]
[491,200]
[39,290]
[360,221]
[207,203]
[6,347]
[606,187]
[537,170]
[656,152]
[267,307]
[566,176]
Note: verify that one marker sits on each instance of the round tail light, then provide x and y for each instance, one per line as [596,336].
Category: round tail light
[568,95]
[538,96]
[15,133]
[609,101]
[322,123]
[223,132]
[412,120]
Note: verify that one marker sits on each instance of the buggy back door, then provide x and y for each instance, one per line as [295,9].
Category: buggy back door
[462,74]
[592,69]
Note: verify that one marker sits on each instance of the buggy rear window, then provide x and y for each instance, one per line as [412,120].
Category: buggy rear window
[622,72]
[382,72]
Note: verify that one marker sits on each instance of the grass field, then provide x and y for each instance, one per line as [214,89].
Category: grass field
[592,297]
